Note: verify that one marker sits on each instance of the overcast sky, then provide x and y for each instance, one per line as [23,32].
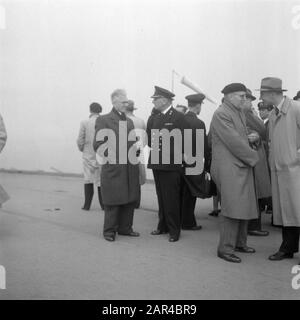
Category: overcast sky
[58,56]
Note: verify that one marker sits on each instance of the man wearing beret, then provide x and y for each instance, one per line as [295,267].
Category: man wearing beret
[188,200]
[232,170]
[284,159]
[164,121]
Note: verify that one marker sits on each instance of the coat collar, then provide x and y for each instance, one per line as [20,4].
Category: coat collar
[170,111]
[231,106]
[116,115]
[237,111]
[286,105]
[191,114]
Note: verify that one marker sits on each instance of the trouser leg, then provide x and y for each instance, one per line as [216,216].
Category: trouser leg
[170,182]
[100,198]
[126,218]
[188,219]
[290,239]
[229,229]
[88,195]
[111,214]
[242,234]
[162,226]
[138,202]
[255,224]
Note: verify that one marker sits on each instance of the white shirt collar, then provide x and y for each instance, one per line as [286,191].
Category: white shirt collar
[165,111]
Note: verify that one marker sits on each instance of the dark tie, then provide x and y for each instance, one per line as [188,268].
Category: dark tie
[276,111]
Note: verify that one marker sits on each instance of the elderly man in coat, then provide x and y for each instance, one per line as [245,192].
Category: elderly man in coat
[91,169]
[119,175]
[284,158]
[232,170]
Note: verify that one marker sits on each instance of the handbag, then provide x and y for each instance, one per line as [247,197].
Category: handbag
[200,186]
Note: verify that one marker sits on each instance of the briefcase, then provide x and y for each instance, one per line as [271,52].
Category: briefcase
[200,185]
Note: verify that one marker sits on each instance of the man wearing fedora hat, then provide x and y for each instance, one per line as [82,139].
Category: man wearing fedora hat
[284,158]
[297,96]
[167,174]
[232,170]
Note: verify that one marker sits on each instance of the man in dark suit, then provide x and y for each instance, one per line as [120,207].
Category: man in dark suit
[165,136]
[188,200]
[119,177]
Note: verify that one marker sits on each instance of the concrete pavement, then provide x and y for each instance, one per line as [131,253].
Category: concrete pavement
[51,249]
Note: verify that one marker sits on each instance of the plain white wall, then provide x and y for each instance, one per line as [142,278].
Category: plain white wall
[58,56]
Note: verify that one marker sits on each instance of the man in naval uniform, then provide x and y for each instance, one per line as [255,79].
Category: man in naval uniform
[165,128]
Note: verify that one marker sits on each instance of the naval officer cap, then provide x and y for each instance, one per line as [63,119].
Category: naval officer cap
[198,98]
[234,87]
[161,92]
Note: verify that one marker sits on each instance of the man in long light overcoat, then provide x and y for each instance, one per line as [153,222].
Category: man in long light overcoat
[284,158]
[91,168]
[119,175]
[232,170]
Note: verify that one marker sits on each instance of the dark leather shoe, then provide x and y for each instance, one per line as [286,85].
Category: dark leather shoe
[245,249]
[214,213]
[280,256]
[130,234]
[258,233]
[109,238]
[173,239]
[229,257]
[157,232]
[192,228]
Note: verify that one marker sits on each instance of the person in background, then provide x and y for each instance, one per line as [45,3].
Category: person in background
[91,168]
[257,133]
[264,113]
[188,200]
[139,125]
[297,96]
[181,108]
[284,158]
[215,193]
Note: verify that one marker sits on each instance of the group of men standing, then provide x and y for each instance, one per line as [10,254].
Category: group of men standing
[233,161]
[234,157]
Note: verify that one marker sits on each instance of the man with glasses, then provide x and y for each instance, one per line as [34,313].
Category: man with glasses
[120,187]
[232,170]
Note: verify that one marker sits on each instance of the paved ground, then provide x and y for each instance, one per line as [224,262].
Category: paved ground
[51,249]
